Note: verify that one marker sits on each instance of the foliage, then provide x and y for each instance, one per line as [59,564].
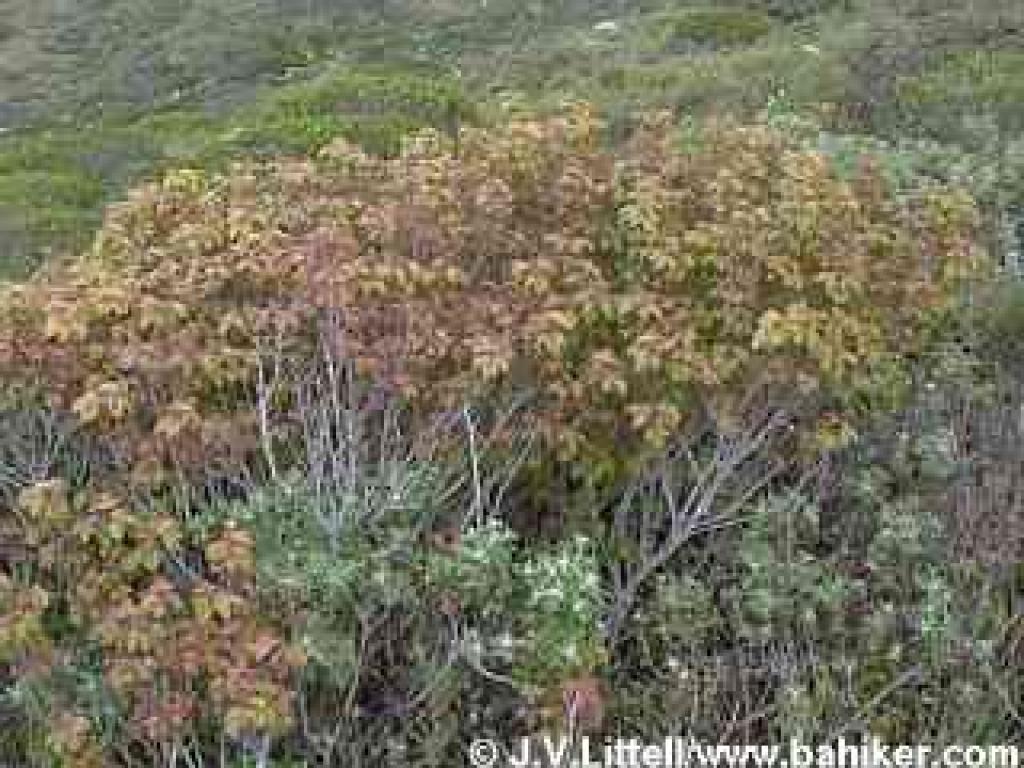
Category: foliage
[964,85]
[176,646]
[655,287]
[531,615]
[173,85]
[795,9]
[876,609]
[401,616]
[54,183]
[715,27]
[260,503]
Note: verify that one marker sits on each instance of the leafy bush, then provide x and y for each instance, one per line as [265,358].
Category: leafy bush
[93,577]
[652,288]
[351,457]
[256,347]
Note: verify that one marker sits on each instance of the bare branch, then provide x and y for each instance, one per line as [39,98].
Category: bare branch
[727,482]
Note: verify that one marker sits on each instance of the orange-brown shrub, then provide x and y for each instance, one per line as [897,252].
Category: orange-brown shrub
[626,288]
[164,643]
[629,290]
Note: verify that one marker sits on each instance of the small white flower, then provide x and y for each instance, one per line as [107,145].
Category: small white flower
[571,653]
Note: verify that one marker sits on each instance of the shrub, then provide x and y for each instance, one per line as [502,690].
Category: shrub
[649,287]
[948,97]
[886,585]
[180,645]
[792,10]
[637,297]
[408,604]
[714,27]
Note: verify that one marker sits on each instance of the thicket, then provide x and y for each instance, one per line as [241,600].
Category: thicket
[349,459]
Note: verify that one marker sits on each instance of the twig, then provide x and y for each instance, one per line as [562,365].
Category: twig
[876,701]
[476,512]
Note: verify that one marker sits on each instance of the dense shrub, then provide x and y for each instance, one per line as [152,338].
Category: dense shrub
[348,460]
[958,89]
[131,630]
[652,285]
[94,578]
[891,588]
[712,27]
[796,9]
[634,296]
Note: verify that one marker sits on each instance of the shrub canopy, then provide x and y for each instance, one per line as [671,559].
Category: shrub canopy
[628,290]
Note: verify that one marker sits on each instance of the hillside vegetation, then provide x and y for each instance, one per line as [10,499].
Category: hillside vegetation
[377,377]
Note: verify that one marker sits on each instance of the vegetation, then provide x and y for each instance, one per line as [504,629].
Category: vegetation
[54,182]
[405,374]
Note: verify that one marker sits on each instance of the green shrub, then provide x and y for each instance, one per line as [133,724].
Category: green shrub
[793,10]
[711,27]
[54,183]
[392,615]
[947,98]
